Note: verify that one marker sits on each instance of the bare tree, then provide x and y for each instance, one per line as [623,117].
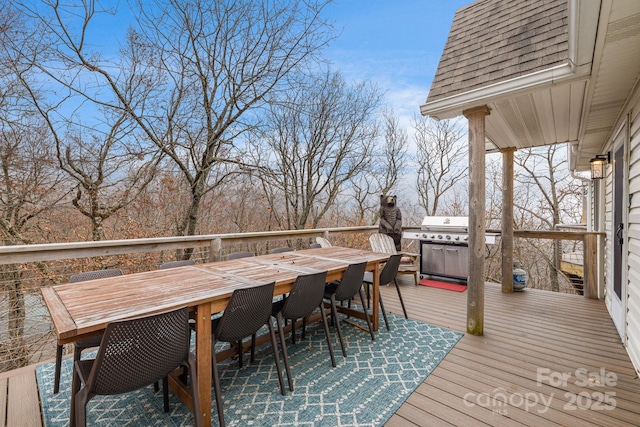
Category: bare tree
[321,135]
[203,67]
[30,188]
[384,171]
[546,196]
[441,161]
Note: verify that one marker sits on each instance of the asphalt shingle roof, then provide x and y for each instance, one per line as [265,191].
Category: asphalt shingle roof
[496,40]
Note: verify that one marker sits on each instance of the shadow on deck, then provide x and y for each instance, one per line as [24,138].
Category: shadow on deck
[545,359]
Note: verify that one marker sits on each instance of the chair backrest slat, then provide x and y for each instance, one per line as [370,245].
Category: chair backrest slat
[323,242]
[382,243]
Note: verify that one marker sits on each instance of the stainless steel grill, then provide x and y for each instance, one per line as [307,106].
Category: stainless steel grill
[444,247]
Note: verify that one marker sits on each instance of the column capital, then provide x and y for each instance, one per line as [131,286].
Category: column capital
[482,110]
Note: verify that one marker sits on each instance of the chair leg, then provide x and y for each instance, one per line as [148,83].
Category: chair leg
[75,388]
[56,380]
[165,393]
[285,356]
[384,313]
[366,316]
[326,334]
[253,348]
[190,366]
[304,328]
[293,331]
[216,385]
[336,321]
[274,347]
[404,310]
[368,298]
[239,345]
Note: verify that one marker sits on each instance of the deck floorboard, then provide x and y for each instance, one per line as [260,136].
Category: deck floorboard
[524,332]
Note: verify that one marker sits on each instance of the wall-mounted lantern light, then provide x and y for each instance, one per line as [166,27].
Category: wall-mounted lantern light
[598,165]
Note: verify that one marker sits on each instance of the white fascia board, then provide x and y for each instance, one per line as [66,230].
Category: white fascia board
[454,105]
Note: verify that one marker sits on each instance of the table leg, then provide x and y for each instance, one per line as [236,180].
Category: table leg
[375,298]
[203,361]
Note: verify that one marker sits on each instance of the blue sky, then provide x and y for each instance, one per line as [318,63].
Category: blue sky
[396,44]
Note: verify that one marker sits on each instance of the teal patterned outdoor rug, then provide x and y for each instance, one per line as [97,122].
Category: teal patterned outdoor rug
[365,389]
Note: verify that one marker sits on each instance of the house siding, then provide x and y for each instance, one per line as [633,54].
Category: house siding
[608,228]
[633,272]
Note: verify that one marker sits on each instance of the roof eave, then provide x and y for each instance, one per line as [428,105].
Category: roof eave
[453,106]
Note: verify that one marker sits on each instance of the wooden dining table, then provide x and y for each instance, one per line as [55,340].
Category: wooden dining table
[80,310]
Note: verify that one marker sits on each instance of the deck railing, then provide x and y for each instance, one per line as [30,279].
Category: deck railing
[26,335]
[591,253]
[25,328]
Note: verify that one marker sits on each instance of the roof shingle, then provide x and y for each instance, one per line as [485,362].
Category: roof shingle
[496,40]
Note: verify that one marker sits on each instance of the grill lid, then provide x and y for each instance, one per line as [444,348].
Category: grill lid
[445,223]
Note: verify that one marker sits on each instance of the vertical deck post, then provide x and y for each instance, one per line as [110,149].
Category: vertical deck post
[590,265]
[215,250]
[477,209]
[507,219]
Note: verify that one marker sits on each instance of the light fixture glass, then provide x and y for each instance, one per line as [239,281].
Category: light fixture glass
[598,165]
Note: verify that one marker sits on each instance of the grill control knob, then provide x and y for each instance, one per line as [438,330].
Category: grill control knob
[433,236]
[457,238]
[466,238]
[424,236]
[448,237]
[440,236]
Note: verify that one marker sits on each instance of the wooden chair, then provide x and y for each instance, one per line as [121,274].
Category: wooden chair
[324,243]
[134,353]
[80,346]
[409,261]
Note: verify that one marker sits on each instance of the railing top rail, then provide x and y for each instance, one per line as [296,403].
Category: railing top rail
[52,251]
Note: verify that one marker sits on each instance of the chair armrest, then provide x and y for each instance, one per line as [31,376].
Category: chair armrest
[410,254]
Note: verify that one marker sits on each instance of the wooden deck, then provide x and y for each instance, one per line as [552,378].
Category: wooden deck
[527,335]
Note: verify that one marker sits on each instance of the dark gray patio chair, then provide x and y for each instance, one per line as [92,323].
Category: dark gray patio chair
[236,255]
[306,295]
[134,353]
[280,250]
[80,346]
[248,310]
[179,263]
[387,276]
[344,290]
